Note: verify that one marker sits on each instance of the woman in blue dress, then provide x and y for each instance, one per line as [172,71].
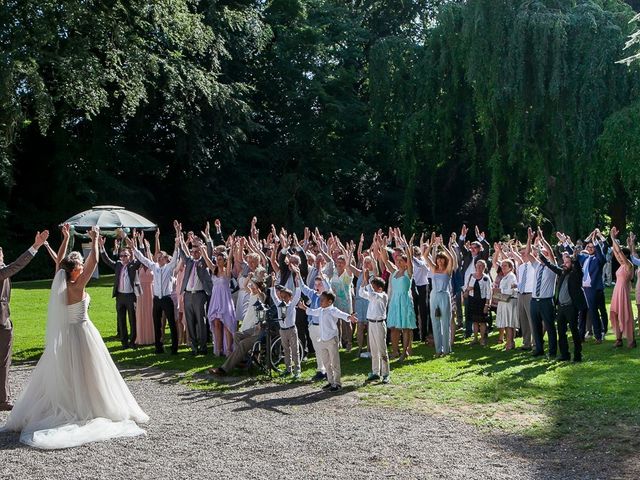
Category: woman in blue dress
[401,317]
[443,263]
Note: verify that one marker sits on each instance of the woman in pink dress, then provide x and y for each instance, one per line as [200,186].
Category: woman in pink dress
[620,312]
[144,304]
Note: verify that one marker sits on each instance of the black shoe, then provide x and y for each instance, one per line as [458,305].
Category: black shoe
[335,388]
[318,377]
[202,352]
[577,359]
[159,350]
[526,349]
[174,352]
[551,358]
[537,354]
[564,359]
[133,345]
[327,386]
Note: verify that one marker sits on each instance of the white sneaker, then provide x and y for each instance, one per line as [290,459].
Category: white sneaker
[365,355]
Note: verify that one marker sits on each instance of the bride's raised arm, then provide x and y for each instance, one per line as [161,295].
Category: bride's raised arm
[62,251]
[92,259]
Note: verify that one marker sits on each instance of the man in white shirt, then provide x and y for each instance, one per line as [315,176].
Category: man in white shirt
[526,284]
[162,291]
[329,316]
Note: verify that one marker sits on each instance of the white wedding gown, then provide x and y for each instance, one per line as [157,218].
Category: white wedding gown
[76,394]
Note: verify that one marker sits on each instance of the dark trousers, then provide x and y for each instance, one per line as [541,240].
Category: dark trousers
[602,309]
[160,306]
[421,307]
[6,342]
[542,312]
[582,322]
[126,306]
[302,325]
[596,320]
[568,315]
[195,314]
[468,321]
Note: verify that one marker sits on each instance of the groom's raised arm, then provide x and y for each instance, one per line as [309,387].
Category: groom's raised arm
[23,260]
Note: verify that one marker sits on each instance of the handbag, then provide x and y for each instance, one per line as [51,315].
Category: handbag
[502,297]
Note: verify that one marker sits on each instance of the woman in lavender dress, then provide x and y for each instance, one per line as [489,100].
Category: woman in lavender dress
[221,312]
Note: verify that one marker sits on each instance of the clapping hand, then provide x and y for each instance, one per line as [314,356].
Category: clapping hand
[66,229]
[614,232]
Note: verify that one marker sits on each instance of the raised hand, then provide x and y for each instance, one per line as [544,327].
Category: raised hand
[129,242]
[207,229]
[94,232]
[157,235]
[102,241]
[41,237]
[217,224]
[614,232]
[464,230]
[66,229]
[177,227]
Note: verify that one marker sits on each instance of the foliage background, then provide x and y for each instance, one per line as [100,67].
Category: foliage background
[342,114]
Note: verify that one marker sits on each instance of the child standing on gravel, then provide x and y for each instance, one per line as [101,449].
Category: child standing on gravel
[376,317]
[329,316]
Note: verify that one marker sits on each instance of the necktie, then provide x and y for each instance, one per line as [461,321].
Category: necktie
[192,277]
[161,272]
[523,279]
[123,278]
[539,280]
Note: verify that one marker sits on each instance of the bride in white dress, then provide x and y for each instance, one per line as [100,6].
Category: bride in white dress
[76,394]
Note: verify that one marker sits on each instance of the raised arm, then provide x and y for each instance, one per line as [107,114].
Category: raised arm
[92,259]
[617,251]
[62,250]
[210,265]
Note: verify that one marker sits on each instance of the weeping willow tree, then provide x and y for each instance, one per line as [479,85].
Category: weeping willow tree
[510,101]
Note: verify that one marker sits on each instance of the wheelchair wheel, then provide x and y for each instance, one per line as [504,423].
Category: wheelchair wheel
[277,355]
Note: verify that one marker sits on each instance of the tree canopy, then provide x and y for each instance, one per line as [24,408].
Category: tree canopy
[343,114]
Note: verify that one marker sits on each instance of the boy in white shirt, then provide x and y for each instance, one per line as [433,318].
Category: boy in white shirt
[286,301]
[329,316]
[376,318]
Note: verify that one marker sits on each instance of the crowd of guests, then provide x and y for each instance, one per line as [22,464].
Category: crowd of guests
[333,294]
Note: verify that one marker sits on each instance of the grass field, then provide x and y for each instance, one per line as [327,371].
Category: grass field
[585,404]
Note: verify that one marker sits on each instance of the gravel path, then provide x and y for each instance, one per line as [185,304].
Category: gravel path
[289,431]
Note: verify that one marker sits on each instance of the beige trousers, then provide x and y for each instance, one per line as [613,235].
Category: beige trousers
[328,351]
[378,348]
[314,333]
[289,339]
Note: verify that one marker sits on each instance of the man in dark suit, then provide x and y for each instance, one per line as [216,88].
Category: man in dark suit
[477,250]
[196,288]
[570,299]
[125,291]
[6,327]
[592,261]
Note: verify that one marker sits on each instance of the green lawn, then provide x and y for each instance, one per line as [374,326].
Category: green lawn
[597,400]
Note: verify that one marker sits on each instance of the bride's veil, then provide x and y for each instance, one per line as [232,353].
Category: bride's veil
[56,352]
[57,310]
